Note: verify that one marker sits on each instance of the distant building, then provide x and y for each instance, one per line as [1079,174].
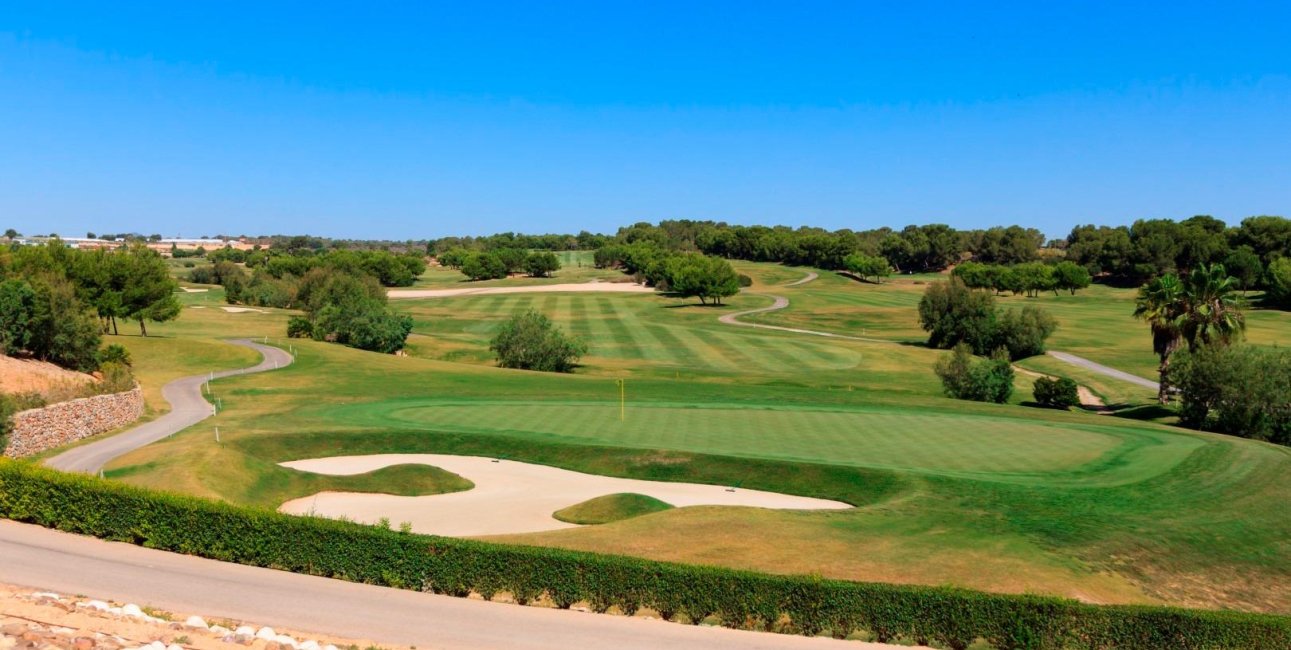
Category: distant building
[164,246]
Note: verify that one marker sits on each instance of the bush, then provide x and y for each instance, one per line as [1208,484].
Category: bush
[484,266]
[115,353]
[1061,393]
[299,327]
[952,313]
[1242,390]
[950,617]
[541,265]
[1277,280]
[530,341]
[115,378]
[1023,333]
[986,380]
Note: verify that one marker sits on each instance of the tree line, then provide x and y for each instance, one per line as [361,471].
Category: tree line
[497,263]
[686,274]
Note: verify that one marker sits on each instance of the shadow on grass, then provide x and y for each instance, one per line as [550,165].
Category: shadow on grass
[1143,412]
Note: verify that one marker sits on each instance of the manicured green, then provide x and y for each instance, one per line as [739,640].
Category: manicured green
[810,606]
[611,507]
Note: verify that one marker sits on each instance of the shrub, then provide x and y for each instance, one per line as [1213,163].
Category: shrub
[1059,393]
[701,276]
[115,378]
[299,327]
[953,618]
[952,313]
[1240,390]
[541,265]
[484,266]
[530,341]
[1023,333]
[115,353]
[986,380]
[1277,280]
[745,281]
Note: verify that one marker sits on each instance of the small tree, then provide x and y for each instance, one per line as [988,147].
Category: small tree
[696,275]
[1278,282]
[1245,266]
[1241,390]
[149,292]
[541,265]
[1061,393]
[1023,333]
[530,341]
[10,233]
[866,266]
[952,313]
[484,266]
[1070,276]
[986,380]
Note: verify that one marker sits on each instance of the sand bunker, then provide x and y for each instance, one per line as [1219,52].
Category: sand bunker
[239,310]
[508,497]
[608,287]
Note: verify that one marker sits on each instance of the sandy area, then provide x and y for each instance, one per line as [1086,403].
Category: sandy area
[58,621]
[29,375]
[192,290]
[239,310]
[610,287]
[509,496]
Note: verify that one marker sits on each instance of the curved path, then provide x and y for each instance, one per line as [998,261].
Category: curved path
[187,407]
[1104,370]
[781,303]
[36,557]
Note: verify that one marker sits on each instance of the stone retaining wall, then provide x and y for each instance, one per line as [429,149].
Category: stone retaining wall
[59,424]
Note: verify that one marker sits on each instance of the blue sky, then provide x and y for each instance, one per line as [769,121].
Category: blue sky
[413,120]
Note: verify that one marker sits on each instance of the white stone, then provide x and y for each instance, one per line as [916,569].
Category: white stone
[219,630]
[266,633]
[115,611]
[45,594]
[283,639]
[245,630]
[196,622]
[309,645]
[96,605]
[329,647]
[132,610]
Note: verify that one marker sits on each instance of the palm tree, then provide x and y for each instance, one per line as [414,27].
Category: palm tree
[1214,309]
[1162,304]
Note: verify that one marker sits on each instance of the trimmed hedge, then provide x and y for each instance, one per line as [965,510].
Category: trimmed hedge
[953,618]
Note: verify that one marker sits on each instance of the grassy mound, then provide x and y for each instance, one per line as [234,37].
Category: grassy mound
[611,507]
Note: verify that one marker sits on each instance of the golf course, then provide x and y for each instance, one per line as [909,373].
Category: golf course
[1123,507]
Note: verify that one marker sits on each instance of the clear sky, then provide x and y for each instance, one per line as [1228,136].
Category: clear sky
[412,120]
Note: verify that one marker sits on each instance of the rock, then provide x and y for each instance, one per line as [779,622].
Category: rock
[285,640]
[245,630]
[132,610]
[309,645]
[266,633]
[46,594]
[272,645]
[97,605]
[13,629]
[196,623]
[7,642]
[329,647]
[82,643]
[219,630]
[115,611]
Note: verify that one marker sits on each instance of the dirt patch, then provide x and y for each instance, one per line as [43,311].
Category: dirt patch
[31,376]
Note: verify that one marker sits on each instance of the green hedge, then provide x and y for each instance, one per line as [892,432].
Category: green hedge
[951,618]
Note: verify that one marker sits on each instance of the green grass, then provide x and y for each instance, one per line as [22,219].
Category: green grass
[575,267]
[611,507]
[996,497]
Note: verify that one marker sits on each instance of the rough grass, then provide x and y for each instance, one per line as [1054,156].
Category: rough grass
[611,507]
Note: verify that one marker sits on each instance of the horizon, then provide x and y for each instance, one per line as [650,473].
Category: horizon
[430,121]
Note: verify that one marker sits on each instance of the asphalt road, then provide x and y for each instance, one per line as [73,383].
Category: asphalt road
[187,407]
[1104,370]
[36,557]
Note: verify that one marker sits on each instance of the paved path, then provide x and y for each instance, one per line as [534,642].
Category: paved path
[780,303]
[187,407]
[36,557]
[1104,370]
[811,275]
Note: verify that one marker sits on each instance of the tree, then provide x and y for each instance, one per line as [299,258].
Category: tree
[349,309]
[1022,334]
[542,264]
[530,341]
[952,313]
[868,266]
[1035,277]
[1213,308]
[1160,304]
[698,275]
[1240,390]
[11,234]
[17,311]
[63,330]
[1245,266]
[484,266]
[1061,393]
[1070,276]
[1278,282]
[149,292]
[985,380]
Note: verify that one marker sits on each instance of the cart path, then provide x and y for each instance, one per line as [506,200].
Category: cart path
[187,407]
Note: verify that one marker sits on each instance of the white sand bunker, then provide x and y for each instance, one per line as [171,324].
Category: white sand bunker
[509,496]
[239,310]
[599,287]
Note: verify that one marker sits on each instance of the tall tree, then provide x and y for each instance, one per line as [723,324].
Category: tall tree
[1160,304]
[149,292]
[1213,307]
